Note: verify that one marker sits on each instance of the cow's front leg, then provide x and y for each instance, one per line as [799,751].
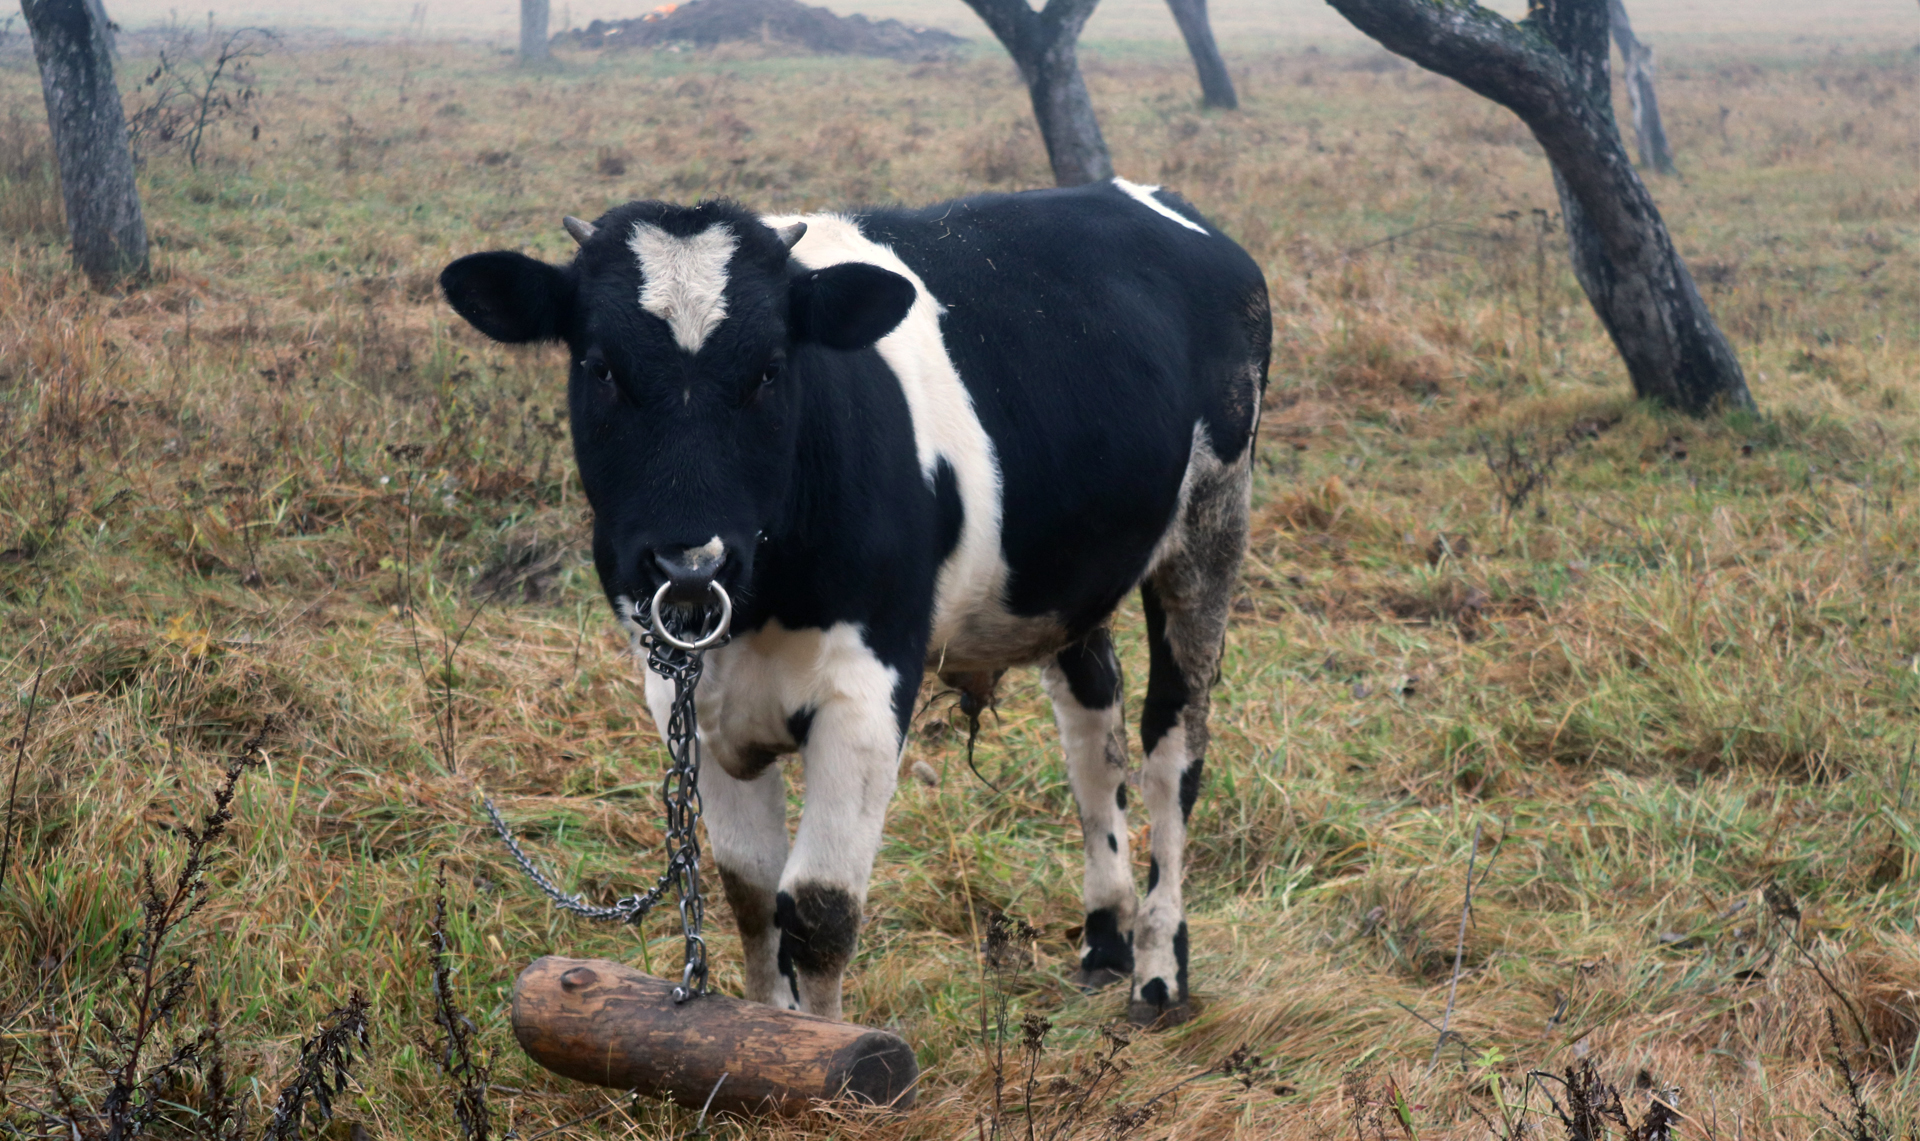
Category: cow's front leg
[747,827]
[851,756]
[746,821]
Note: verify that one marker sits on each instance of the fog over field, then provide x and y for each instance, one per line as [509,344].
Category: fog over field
[1277,21]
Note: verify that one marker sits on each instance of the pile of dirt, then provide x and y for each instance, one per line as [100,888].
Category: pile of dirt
[704,23]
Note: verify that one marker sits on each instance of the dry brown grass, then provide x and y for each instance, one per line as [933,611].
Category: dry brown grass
[1681,671]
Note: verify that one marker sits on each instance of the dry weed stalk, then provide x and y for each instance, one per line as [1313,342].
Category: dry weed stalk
[196,85]
[325,1060]
[456,1053]
[1862,1123]
[1593,1105]
[1459,954]
[138,1086]
[19,756]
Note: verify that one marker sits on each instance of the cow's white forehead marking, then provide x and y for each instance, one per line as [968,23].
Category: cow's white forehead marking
[684,280]
[1144,196]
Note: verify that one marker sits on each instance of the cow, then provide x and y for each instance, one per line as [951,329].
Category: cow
[900,440]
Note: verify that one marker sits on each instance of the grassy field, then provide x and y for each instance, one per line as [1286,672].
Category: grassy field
[1665,671]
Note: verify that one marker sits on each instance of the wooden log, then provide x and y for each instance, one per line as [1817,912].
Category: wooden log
[601,1022]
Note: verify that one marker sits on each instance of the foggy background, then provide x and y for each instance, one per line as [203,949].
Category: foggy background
[1863,22]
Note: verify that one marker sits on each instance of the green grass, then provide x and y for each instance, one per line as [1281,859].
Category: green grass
[1680,673]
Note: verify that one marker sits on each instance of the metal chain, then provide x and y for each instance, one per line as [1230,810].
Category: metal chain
[680,790]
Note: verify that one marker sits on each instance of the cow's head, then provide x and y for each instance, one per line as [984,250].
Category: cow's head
[681,322]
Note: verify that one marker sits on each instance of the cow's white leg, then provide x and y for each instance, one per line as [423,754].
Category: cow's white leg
[746,823]
[1185,599]
[1084,682]
[747,827]
[851,757]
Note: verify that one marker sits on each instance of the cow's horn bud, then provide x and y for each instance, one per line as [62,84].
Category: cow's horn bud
[581,231]
[790,235]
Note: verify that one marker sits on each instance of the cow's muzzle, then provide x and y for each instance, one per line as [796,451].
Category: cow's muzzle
[690,571]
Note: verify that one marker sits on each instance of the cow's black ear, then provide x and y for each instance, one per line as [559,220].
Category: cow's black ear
[848,306]
[509,296]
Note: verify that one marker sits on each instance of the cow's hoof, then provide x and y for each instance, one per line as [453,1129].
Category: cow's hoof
[1153,1016]
[1099,978]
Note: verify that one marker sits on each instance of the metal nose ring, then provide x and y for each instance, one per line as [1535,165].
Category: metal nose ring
[718,632]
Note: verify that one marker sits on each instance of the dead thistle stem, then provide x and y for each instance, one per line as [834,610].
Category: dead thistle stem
[19,756]
[1592,1103]
[1105,1071]
[1034,1037]
[1459,954]
[1007,943]
[1781,902]
[136,1092]
[1865,1124]
[455,1053]
[1241,1063]
[325,1060]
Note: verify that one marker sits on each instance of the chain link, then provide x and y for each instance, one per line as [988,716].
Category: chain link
[680,790]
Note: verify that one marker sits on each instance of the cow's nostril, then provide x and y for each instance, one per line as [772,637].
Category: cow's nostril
[690,570]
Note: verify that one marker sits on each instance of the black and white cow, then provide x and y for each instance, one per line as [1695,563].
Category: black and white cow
[951,438]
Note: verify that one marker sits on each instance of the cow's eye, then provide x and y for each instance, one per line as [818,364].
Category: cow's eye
[600,374]
[769,375]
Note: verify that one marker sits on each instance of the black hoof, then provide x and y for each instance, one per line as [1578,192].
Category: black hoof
[1153,1016]
[1099,978]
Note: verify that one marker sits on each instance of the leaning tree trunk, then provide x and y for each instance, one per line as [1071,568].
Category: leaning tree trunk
[533,31]
[99,13]
[1216,88]
[89,140]
[1551,70]
[1648,134]
[1042,46]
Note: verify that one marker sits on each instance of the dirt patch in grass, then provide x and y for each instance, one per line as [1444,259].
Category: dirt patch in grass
[782,23]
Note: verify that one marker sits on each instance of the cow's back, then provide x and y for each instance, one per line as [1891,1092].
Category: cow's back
[1093,332]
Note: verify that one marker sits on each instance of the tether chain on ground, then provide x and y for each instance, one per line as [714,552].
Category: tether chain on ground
[680,789]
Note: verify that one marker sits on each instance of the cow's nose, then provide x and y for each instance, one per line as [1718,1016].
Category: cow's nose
[690,570]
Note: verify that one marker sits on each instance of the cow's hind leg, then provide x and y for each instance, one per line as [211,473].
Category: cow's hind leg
[1186,598]
[1084,682]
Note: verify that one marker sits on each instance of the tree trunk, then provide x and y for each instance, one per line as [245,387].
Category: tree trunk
[1648,133]
[1216,88]
[1042,46]
[1551,70]
[99,12]
[533,31]
[89,141]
